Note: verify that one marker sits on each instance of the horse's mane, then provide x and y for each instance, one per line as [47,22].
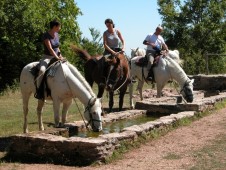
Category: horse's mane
[178,72]
[75,71]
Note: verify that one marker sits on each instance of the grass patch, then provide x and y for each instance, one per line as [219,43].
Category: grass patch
[11,112]
[172,156]
[211,156]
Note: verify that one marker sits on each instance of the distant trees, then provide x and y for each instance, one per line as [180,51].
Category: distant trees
[196,27]
[21,27]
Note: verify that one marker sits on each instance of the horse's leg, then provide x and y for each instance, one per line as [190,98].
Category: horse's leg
[66,106]
[25,109]
[100,91]
[131,96]
[56,109]
[121,97]
[140,88]
[39,113]
[111,101]
[159,89]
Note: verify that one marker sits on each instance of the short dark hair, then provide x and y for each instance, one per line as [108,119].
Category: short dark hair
[54,23]
[109,21]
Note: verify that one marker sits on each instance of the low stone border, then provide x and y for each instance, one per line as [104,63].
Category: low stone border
[81,151]
[199,105]
[84,151]
[209,82]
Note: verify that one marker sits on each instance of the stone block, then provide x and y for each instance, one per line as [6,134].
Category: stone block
[135,128]
[126,135]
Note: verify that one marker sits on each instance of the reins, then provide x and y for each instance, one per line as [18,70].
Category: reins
[179,93]
[88,107]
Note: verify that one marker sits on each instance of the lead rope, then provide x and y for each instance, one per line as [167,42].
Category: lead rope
[175,84]
[86,124]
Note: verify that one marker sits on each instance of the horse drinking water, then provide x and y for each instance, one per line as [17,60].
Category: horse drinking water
[67,84]
[166,69]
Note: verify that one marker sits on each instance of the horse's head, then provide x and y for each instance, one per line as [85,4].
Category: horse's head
[187,91]
[137,52]
[93,114]
[117,72]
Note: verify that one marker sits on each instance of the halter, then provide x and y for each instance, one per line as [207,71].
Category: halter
[185,87]
[88,107]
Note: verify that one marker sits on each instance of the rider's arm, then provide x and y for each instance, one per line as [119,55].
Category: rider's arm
[122,40]
[106,46]
[165,47]
[52,52]
[145,42]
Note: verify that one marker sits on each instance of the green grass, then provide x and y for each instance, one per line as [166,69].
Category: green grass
[11,111]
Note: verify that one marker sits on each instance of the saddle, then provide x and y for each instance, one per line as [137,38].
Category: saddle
[40,92]
[141,61]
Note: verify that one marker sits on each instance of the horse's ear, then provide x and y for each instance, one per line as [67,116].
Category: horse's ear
[92,101]
[132,49]
[100,99]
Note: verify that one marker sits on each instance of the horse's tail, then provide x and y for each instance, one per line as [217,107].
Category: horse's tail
[82,53]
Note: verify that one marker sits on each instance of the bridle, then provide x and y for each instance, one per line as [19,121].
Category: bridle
[186,88]
[88,107]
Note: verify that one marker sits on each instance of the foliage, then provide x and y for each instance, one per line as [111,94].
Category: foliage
[93,46]
[21,27]
[195,27]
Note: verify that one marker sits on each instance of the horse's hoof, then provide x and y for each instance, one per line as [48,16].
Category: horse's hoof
[26,131]
[132,107]
[42,129]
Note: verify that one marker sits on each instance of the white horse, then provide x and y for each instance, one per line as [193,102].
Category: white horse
[67,84]
[166,69]
[137,52]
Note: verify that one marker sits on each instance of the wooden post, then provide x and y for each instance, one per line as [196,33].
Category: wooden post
[207,63]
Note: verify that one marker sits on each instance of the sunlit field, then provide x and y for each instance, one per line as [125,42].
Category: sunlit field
[11,111]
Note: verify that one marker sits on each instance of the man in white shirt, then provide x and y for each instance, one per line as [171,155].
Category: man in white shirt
[155,43]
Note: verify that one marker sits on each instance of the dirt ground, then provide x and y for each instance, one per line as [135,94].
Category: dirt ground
[175,150]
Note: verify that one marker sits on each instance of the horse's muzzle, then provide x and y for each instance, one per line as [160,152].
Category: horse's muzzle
[189,99]
[109,87]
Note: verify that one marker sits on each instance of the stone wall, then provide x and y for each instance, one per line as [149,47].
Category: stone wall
[209,82]
[80,151]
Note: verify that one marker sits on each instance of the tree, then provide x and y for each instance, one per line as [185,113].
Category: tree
[22,24]
[93,46]
[195,27]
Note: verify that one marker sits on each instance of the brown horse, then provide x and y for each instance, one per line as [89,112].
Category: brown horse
[118,80]
[114,74]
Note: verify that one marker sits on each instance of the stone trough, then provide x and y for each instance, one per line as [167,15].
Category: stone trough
[54,146]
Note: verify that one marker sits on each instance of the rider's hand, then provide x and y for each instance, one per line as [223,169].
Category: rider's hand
[114,53]
[61,57]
